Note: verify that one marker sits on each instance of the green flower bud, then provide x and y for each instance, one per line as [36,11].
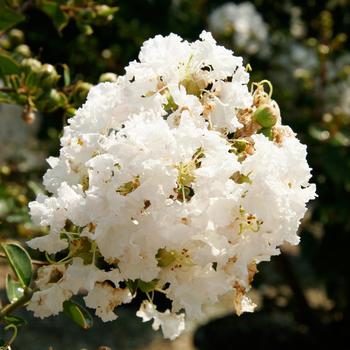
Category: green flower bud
[70,111]
[16,37]
[80,92]
[103,10]
[86,29]
[23,50]
[5,43]
[32,69]
[50,101]
[240,145]
[49,76]
[265,116]
[31,65]
[108,77]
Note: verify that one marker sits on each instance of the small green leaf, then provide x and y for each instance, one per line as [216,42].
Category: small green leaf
[59,17]
[9,17]
[14,289]
[20,262]
[78,314]
[132,286]
[15,320]
[7,64]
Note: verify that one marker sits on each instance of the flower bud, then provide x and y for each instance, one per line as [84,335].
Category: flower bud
[31,65]
[5,43]
[240,145]
[108,77]
[32,70]
[103,10]
[23,50]
[50,101]
[81,91]
[49,76]
[265,116]
[16,36]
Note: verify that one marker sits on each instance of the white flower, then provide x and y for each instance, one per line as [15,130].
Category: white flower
[246,26]
[49,301]
[51,243]
[172,324]
[104,298]
[165,184]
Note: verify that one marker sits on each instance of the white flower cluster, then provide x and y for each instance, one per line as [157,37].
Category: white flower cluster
[176,180]
[243,24]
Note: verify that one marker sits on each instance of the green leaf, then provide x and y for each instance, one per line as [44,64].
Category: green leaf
[7,64]
[59,17]
[14,289]
[7,98]
[20,262]
[78,314]
[132,286]
[9,17]
[15,320]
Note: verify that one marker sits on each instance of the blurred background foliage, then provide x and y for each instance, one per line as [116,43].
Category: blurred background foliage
[52,51]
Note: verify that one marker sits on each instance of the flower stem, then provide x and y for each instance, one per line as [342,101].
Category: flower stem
[9,308]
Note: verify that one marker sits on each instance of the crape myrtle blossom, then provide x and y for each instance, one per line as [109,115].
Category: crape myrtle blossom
[175,179]
[241,24]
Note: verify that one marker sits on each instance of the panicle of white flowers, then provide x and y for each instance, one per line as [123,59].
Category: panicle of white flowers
[175,179]
[243,25]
